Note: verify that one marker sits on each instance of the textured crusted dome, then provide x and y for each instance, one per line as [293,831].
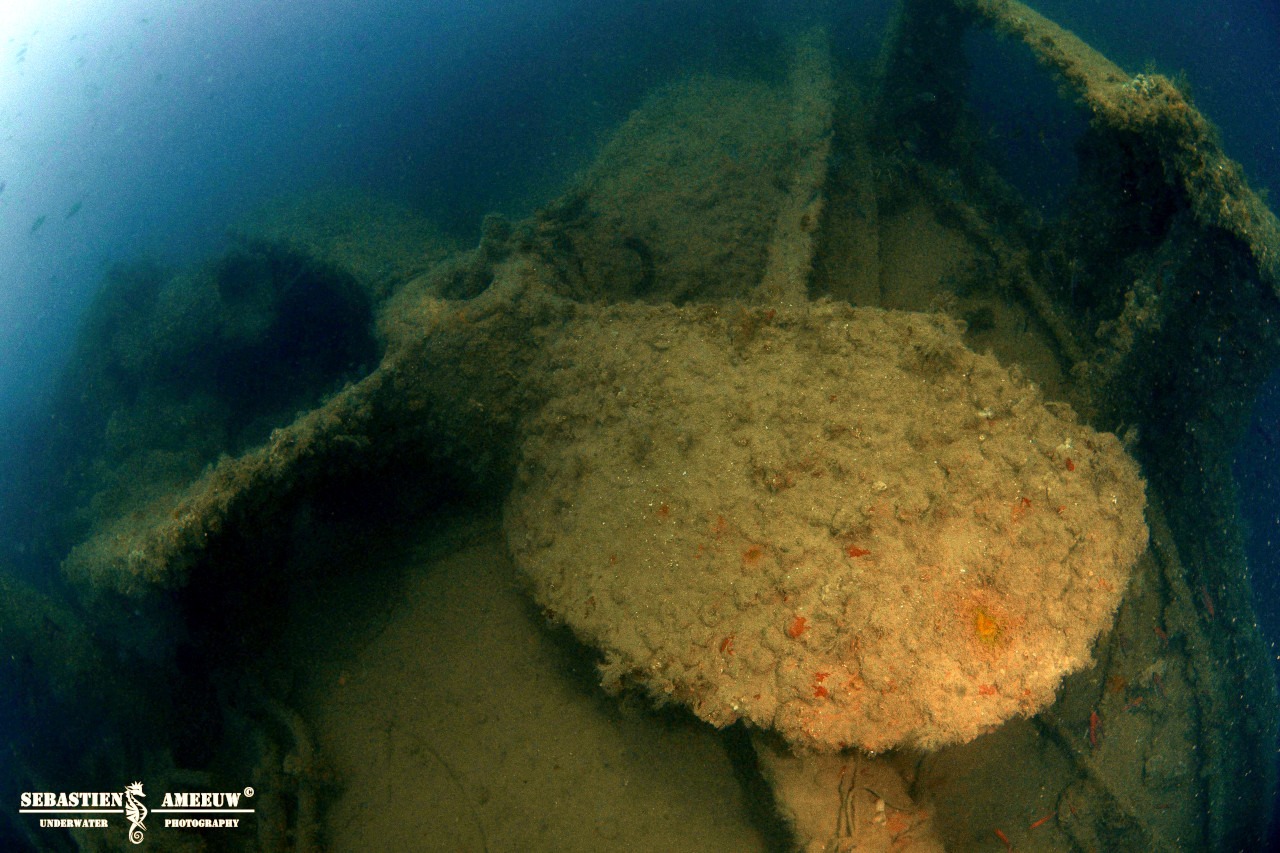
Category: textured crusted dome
[837,523]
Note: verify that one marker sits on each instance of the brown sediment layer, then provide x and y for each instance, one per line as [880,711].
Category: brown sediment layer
[842,525]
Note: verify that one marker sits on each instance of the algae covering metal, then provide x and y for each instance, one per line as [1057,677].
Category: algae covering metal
[837,523]
[843,526]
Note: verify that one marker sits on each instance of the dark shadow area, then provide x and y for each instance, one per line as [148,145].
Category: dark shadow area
[172,369]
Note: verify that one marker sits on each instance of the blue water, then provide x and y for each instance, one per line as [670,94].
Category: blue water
[145,128]
[141,128]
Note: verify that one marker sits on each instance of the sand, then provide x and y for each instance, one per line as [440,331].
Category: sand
[456,721]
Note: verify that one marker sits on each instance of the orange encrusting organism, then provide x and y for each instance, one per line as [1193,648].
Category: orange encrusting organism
[819,690]
[985,628]
[1020,509]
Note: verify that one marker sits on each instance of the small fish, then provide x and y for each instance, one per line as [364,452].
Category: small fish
[35,226]
[75,208]
[3,184]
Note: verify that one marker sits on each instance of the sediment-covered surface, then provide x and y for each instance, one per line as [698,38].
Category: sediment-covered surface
[839,523]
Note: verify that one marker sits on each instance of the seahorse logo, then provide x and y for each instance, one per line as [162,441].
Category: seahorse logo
[135,812]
